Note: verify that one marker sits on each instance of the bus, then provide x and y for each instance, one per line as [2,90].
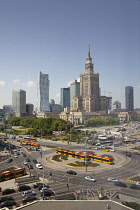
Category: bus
[29,139]
[29,143]
[3,138]
[84,155]
[6,175]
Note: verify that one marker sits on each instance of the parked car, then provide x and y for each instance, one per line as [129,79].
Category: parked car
[16,156]
[24,155]
[25,162]
[28,192]
[36,185]
[28,160]
[111,179]
[138,183]
[8,203]
[8,191]
[41,187]
[34,160]
[90,178]
[5,198]
[9,160]
[39,165]
[30,166]
[24,187]
[120,184]
[71,172]
[47,193]
[134,186]
[28,198]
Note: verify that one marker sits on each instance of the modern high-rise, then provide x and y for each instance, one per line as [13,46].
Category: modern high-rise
[89,99]
[129,98]
[74,91]
[43,93]
[19,102]
[65,97]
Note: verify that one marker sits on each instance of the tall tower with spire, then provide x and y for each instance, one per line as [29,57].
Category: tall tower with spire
[89,99]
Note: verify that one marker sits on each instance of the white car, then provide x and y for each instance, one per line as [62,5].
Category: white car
[111,179]
[16,156]
[44,188]
[25,162]
[28,192]
[138,183]
[112,150]
[39,165]
[90,178]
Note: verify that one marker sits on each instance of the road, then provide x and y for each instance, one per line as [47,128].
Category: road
[58,181]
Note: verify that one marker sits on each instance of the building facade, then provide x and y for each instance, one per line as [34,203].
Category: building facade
[29,109]
[19,102]
[43,93]
[74,91]
[90,99]
[129,98]
[65,97]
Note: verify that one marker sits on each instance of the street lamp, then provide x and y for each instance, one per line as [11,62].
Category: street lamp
[41,153]
[86,154]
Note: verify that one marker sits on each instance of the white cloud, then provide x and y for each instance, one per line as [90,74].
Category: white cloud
[30,83]
[2,83]
[16,81]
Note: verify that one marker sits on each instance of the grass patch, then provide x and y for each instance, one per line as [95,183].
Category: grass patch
[82,164]
[135,179]
[8,169]
[57,158]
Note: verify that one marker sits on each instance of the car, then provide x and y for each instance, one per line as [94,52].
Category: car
[8,203]
[134,186]
[28,192]
[12,152]
[5,198]
[28,160]
[111,179]
[28,198]
[24,155]
[25,162]
[71,172]
[47,193]
[90,178]
[16,156]
[8,191]
[23,188]
[39,165]
[45,186]
[34,160]
[9,160]
[30,166]
[138,183]
[120,184]
[36,185]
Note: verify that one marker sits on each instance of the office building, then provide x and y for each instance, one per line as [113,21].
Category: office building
[19,102]
[43,93]
[55,108]
[129,98]
[116,105]
[29,109]
[74,91]
[65,97]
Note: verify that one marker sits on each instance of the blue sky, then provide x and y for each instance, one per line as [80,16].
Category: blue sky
[52,36]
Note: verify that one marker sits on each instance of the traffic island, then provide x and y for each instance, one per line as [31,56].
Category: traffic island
[83,164]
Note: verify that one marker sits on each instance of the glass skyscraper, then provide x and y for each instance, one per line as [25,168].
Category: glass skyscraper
[129,98]
[65,97]
[19,102]
[43,93]
[74,91]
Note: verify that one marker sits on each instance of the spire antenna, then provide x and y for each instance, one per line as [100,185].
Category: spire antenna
[89,50]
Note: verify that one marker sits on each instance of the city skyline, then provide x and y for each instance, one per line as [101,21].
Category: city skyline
[53,38]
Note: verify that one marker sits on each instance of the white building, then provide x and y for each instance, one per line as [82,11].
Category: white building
[43,93]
